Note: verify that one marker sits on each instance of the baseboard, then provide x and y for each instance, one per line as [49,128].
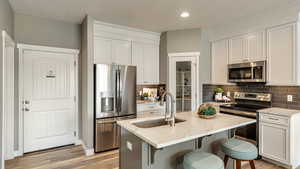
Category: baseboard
[78,142]
[275,162]
[88,151]
[18,153]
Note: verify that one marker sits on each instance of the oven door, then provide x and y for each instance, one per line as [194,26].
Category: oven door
[247,72]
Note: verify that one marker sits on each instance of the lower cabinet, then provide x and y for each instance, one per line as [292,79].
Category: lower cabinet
[274,142]
[279,137]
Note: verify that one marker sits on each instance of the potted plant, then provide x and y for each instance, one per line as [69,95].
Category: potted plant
[207,111]
[218,93]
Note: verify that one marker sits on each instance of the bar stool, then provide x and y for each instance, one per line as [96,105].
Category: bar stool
[202,160]
[240,151]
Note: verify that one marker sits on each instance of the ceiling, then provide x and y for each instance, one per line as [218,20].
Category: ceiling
[152,15]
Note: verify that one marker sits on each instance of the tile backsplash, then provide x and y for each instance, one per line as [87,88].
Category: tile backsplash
[279,93]
[160,88]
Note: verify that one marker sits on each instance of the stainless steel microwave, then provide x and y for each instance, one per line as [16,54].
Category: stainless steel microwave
[247,72]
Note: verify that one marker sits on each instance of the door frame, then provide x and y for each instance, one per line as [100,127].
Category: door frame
[7,41]
[24,47]
[186,56]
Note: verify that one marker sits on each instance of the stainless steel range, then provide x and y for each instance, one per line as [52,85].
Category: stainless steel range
[247,105]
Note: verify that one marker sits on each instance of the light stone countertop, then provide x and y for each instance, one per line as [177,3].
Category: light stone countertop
[193,128]
[280,111]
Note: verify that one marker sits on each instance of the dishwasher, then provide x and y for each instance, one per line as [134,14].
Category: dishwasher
[107,133]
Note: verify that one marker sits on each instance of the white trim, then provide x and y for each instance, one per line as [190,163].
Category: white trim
[196,56]
[48,49]
[88,152]
[126,28]
[8,121]
[118,32]
[18,154]
[22,47]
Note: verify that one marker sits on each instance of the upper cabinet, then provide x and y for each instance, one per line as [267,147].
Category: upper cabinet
[128,46]
[219,50]
[146,58]
[102,50]
[121,52]
[247,48]
[237,50]
[112,51]
[283,67]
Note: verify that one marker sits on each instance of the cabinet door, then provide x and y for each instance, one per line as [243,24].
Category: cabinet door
[121,52]
[102,50]
[138,61]
[237,50]
[281,55]
[219,61]
[256,46]
[151,64]
[274,142]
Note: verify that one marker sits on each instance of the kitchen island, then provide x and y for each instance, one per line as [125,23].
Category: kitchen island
[163,147]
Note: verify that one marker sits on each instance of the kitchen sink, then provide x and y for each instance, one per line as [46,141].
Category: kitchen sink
[155,123]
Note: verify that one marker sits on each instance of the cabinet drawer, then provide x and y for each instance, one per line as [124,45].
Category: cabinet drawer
[267,118]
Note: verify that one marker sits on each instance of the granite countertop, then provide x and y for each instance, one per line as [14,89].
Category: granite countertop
[280,111]
[194,127]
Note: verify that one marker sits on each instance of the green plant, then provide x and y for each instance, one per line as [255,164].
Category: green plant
[219,90]
[207,109]
[145,95]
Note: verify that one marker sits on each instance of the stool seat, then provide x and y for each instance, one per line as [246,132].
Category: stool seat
[202,160]
[238,149]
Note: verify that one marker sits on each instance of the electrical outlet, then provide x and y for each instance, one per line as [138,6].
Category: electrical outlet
[228,94]
[129,146]
[289,98]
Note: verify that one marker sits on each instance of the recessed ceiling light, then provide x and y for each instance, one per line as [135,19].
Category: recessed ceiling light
[184,14]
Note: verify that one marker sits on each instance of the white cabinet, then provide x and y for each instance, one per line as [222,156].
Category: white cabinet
[274,142]
[279,136]
[112,51]
[282,56]
[247,48]
[256,50]
[151,64]
[146,58]
[219,61]
[138,61]
[237,50]
[121,52]
[102,50]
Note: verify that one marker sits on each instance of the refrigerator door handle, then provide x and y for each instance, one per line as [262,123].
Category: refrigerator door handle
[116,92]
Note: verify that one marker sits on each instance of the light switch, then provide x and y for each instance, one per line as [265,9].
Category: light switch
[289,98]
[129,146]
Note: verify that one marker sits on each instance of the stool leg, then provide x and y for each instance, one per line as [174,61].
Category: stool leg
[252,164]
[225,160]
[238,164]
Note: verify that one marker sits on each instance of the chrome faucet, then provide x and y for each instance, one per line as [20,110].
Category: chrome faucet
[169,115]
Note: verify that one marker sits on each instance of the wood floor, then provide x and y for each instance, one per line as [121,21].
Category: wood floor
[73,157]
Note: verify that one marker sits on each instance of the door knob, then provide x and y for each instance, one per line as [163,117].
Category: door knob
[26,102]
[26,109]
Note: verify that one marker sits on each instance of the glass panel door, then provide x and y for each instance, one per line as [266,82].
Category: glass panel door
[183,86]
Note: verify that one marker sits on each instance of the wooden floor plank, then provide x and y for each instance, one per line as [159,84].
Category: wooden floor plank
[73,157]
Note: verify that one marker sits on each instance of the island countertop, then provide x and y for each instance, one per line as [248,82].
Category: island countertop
[193,128]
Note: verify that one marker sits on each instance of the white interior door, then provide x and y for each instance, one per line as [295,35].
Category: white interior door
[183,82]
[49,100]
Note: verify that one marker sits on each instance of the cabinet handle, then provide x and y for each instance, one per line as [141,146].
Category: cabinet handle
[273,118]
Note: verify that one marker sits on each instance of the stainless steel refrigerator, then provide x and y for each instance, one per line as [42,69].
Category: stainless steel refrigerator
[115,99]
